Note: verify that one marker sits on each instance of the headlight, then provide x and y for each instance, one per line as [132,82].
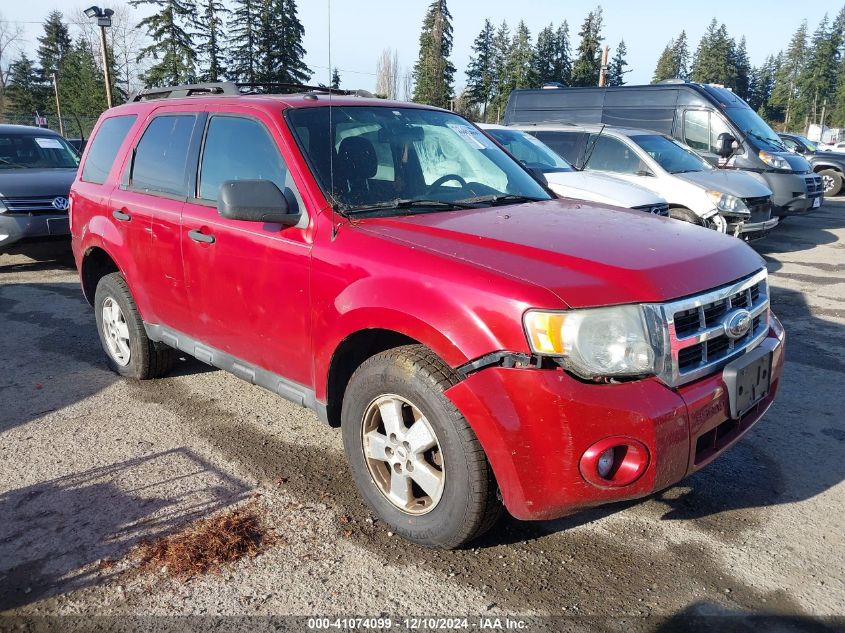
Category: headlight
[595,342]
[773,160]
[726,203]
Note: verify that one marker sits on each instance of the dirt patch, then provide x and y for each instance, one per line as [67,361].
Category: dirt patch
[206,545]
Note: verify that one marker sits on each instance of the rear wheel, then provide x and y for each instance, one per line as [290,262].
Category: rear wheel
[129,350]
[413,456]
[832,181]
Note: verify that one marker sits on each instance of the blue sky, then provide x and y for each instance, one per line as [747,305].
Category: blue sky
[360,29]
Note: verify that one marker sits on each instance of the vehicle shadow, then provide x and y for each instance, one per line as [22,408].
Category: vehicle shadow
[68,533]
[802,233]
[705,617]
[44,255]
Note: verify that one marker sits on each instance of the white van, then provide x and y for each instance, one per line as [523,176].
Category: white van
[728,201]
[568,182]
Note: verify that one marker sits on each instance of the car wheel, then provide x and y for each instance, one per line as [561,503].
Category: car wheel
[129,351]
[413,456]
[686,215]
[832,181]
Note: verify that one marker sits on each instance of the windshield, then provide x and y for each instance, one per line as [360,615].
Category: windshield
[810,145]
[31,151]
[749,122]
[409,158]
[670,155]
[530,151]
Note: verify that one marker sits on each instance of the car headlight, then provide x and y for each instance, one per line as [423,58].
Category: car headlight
[773,160]
[595,342]
[726,203]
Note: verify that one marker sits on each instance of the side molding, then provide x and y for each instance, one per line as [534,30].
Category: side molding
[287,389]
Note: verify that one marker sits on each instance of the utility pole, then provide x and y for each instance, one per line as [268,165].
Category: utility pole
[58,105]
[103,20]
[605,52]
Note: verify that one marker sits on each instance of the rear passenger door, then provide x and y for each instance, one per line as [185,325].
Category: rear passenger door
[248,282]
[149,202]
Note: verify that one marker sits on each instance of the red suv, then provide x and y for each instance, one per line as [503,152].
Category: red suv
[389,266]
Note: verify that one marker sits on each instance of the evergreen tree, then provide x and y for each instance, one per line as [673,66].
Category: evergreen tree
[501,53]
[682,57]
[563,56]
[545,57]
[171,45]
[211,32]
[519,60]
[742,68]
[760,86]
[280,51]
[481,69]
[715,58]
[837,115]
[243,41]
[433,72]
[54,45]
[335,85]
[616,72]
[817,81]
[666,67]
[81,87]
[785,90]
[585,70]
[24,92]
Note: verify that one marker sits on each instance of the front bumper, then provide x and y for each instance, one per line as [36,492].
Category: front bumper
[793,194]
[535,424]
[757,230]
[14,227]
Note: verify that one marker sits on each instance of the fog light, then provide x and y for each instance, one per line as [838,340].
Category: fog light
[614,462]
[605,463]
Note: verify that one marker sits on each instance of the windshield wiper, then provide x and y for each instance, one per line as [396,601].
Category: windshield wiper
[8,162]
[773,141]
[507,198]
[409,203]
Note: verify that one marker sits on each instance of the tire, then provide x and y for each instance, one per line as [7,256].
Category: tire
[410,381]
[129,351]
[832,180]
[685,215]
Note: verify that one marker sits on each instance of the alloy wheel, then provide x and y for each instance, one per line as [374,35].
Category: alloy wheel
[116,332]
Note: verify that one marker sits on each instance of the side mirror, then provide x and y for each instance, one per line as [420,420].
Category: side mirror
[726,145]
[255,201]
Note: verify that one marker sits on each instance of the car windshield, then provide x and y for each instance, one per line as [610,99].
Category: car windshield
[749,122]
[381,159]
[31,151]
[670,155]
[810,145]
[531,151]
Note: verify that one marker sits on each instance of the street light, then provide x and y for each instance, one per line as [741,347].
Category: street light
[103,20]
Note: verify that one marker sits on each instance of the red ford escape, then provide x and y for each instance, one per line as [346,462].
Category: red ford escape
[390,267]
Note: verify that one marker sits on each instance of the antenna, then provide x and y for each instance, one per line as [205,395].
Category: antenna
[331,131]
[589,152]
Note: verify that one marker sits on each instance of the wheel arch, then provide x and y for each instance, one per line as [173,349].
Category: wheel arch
[96,264]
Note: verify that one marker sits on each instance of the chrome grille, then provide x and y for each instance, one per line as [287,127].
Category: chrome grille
[695,336]
[38,205]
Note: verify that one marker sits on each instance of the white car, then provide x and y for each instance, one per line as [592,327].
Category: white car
[567,182]
[729,201]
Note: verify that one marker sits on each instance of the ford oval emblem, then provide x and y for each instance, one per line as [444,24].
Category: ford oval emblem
[60,203]
[737,323]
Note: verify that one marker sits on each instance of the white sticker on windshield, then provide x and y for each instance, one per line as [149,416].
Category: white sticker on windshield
[472,136]
[48,143]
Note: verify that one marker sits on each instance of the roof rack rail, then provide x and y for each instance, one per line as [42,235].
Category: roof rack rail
[235,88]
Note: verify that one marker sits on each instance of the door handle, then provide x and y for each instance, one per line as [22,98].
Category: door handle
[120,215]
[199,236]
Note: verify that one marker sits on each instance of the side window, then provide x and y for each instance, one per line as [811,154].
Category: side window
[566,144]
[162,155]
[697,129]
[237,148]
[613,155]
[104,148]
[717,126]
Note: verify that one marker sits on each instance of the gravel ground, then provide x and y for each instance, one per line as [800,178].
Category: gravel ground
[90,465]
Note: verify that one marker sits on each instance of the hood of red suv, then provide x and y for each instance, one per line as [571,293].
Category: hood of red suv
[587,255]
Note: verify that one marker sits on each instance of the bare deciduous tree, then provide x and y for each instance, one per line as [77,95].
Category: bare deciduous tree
[10,34]
[387,74]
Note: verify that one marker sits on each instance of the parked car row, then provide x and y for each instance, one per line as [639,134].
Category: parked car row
[483,343]
[699,146]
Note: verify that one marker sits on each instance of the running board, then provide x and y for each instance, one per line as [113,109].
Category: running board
[287,389]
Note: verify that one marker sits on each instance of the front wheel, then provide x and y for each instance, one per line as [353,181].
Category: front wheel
[832,181]
[413,456]
[686,215]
